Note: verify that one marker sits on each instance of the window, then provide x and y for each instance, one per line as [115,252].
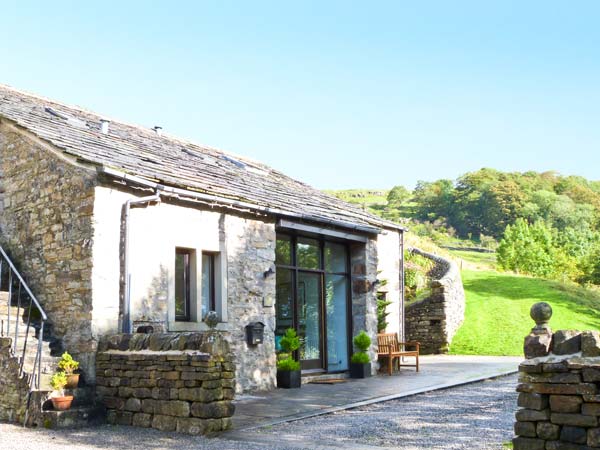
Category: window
[197,288]
[183,262]
[208,283]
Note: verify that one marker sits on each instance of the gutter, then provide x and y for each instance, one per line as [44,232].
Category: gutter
[126,323]
[168,190]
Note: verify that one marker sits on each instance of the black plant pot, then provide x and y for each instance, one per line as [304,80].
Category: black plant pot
[360,370]
[288,379]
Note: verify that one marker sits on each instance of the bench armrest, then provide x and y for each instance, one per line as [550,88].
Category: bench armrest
[411,343]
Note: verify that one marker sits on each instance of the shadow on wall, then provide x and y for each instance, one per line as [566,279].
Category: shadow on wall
[152,308]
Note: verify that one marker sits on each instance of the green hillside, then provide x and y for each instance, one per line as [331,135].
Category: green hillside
[497,314]
[553,224]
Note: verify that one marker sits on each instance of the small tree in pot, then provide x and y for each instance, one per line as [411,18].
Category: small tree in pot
[288,369]
[68,365]
[360,363]
[60,401]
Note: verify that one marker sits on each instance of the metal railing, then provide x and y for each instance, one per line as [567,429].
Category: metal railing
[28,307]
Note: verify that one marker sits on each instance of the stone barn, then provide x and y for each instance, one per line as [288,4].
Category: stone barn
[118,228]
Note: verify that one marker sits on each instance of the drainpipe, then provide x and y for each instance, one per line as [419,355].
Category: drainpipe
[402,320]
[126,322]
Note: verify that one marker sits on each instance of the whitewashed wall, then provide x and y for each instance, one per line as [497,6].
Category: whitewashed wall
[388,266]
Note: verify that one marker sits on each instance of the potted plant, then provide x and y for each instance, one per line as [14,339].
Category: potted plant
[60,401]
[68,365]
[360,363]
[288,369]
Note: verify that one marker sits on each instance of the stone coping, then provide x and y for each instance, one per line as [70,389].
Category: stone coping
[157,352]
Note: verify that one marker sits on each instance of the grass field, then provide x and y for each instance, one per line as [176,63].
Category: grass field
[497,313]
[481,258]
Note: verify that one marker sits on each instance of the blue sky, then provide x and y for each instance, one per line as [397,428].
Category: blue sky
[338,94]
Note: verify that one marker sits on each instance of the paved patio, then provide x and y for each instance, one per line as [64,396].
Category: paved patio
[437,372]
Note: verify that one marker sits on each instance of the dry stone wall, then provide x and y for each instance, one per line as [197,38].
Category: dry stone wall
[180,382]
[13,387]
[435,320]
[559,390]
[46,207]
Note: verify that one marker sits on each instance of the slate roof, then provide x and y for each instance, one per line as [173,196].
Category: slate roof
[174,162]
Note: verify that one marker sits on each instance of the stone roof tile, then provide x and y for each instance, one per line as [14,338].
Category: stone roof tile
[174,162]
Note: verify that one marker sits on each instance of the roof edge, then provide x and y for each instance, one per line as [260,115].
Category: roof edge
[114,173]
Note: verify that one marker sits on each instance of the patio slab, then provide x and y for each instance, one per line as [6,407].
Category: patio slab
[437,372]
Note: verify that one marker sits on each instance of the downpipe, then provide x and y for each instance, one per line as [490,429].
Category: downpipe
[126,323]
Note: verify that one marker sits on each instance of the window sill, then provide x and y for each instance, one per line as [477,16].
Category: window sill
[196,326]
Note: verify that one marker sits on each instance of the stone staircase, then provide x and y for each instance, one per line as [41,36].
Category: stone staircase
[26,339]
[84,411]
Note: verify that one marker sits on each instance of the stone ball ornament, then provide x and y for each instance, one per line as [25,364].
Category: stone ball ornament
[211,319]
[541,313]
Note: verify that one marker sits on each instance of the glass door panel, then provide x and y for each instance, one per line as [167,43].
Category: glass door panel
[309,319]
[336,311]
[284,304]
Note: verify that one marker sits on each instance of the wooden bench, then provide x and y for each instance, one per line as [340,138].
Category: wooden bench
[389,347]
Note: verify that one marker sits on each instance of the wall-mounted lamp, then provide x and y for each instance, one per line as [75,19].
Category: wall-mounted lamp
[269,272]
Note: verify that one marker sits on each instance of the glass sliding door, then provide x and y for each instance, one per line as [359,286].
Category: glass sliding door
[336,292]
[336,306]
[284,304]
[309,319]
[312,298]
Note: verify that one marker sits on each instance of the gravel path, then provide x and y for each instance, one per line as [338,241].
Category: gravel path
[475,416]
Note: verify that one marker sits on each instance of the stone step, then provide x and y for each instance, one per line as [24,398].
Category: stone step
[49,364]
[76,417]
[83,396]
[324,377]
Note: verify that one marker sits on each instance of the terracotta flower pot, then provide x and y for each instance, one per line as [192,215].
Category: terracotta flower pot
[72,381]
[62,403]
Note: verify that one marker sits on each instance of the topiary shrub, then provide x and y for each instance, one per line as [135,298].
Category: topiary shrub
[360,358]
[288,364]
[361,367]
[290,341]
[362,341]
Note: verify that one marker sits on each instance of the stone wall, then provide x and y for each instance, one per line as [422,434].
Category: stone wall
[46,206]
[13,387]
[434,320]
[180,382]
[363,273]
[559,391]
[250,246]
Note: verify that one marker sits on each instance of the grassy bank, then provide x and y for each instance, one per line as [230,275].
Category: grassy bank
[497,314]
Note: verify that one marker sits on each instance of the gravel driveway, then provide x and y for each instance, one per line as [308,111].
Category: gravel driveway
[475,416]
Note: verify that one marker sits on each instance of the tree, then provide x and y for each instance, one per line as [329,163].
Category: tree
[434,199]
[527,249]
[397,196]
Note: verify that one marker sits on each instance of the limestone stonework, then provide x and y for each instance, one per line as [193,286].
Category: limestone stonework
[63,224]
[559,392]
[250,254]
[434,320]
[363,272]
[180,382]
[46,206]
[13,386]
